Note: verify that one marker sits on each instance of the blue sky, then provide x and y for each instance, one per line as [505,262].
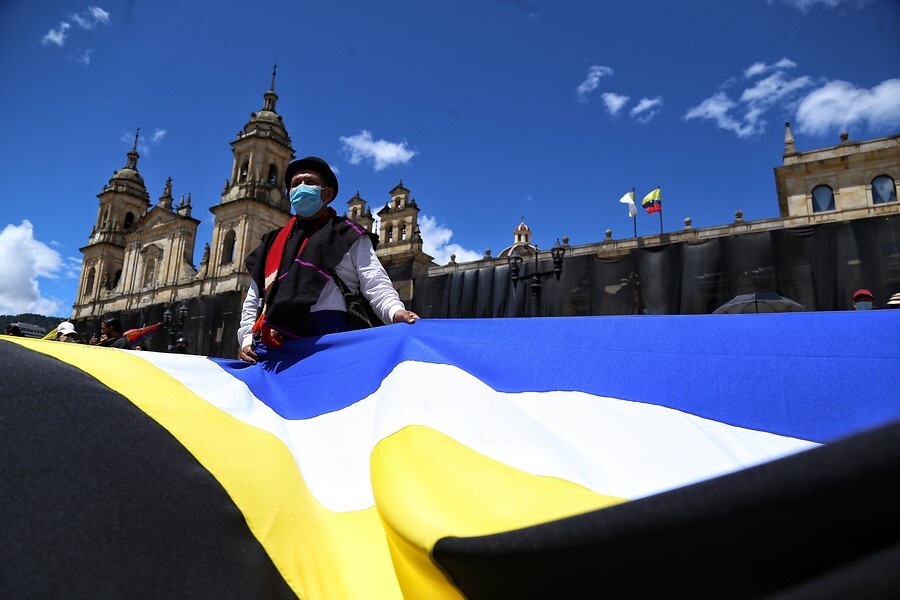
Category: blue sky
[487,110]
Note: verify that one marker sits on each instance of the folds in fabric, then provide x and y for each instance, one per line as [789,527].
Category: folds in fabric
[480,459]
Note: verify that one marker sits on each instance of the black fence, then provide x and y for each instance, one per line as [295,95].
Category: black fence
[210,326]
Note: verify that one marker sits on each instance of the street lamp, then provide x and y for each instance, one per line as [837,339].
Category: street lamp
[537,277]
[182,315]
[173,326]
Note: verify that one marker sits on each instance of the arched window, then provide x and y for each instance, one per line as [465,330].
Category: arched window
[353,213]
[403,232]
[244,172]
[117,278]
[397,203]
[228,248]
[149,273]
[389,234]
[128,222]
[883,190]
[272,178]
[89,286]
[823,198]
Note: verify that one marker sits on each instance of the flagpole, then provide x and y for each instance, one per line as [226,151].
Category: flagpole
[659,187]
[634,218]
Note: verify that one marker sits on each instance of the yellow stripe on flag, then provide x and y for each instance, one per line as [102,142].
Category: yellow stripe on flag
[319,553]
[427,486]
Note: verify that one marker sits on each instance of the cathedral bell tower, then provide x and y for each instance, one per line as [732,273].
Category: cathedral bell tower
[254,200]
[400,248]
[400,223]
[122,202]
[358,211]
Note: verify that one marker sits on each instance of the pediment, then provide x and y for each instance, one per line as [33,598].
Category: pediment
[156,217]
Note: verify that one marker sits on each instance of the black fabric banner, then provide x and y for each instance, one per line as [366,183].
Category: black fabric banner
[820,524]
[97,500]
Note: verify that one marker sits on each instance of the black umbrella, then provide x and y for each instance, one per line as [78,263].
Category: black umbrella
[759,302]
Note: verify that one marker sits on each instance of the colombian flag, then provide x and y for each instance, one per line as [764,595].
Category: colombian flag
[493,458]
[134,335]
[652,202]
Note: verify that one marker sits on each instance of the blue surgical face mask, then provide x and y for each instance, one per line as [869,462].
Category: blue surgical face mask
[863,305]
[306,200]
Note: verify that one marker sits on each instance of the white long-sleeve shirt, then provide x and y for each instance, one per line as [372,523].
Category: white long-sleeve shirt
[359,268]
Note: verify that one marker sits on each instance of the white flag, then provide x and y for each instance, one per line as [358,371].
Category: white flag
[629,200]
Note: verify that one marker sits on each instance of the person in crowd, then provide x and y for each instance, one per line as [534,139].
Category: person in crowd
[182,345]
[65,332]
[894,302]
[111,335]
[137,347]
[13,330]
[863,300]
[292,293]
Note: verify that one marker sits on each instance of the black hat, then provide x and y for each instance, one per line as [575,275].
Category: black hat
[311,163]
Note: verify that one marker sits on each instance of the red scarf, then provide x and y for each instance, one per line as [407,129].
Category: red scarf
[271,337]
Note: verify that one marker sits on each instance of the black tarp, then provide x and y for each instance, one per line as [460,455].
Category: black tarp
[819,266]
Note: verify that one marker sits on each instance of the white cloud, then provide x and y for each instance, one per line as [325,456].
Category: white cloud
[23,260]
[142,147]
[591,82]
[716,108]
[436,242]
[769,91]
[805,5]
[746,115]
[761,67]
[381,152]
[71,269]
[837,105]
[82,58]
[90,18]
[646,109]
[614,102]
[56,36]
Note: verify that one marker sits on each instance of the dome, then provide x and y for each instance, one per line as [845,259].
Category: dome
[267,116]
[522,227]
[518,249]
[127,174]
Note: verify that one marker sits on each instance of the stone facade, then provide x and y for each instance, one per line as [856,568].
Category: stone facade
[138,259]
[836,183]
[137,254]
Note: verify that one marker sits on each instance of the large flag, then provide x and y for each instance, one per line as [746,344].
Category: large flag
[629,200]
[652,202]
[463,458]
[135,335]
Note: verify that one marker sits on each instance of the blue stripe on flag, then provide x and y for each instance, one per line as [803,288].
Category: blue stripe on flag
[815,376]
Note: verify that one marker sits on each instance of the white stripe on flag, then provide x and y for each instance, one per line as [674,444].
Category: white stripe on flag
[615,447]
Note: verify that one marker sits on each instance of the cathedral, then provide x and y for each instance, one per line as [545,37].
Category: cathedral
[838,230]
[138,262]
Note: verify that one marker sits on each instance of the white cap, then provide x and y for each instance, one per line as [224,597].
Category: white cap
[65,328]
